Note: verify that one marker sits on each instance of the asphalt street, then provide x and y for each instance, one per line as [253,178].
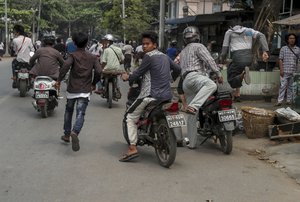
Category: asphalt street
[36,166]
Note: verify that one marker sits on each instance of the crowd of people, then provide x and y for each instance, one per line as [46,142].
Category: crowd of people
[86,61]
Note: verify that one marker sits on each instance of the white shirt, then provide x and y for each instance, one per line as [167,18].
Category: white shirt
[22,51]
[78,95]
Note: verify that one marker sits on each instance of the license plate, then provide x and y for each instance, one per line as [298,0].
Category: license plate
[175,121]
[39,94]
[227,115]
[23,75]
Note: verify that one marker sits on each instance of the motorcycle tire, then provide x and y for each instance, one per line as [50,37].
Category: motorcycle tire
[226,141]
[44,111]
[109,94]
[165,146]
[124,131]
[22,88]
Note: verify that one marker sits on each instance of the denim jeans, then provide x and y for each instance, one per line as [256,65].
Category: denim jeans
[81,106]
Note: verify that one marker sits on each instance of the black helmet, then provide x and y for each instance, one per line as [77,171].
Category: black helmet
[191,34]
[49,39]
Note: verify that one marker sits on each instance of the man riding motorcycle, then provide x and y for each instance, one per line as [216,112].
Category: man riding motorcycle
[48,60]
[155,69]
[195,60]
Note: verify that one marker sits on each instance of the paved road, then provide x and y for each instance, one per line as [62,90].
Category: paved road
[35,166]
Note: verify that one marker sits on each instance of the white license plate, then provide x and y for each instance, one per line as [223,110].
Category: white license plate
[39,95]
[175,121]
[227,115]
[23,75]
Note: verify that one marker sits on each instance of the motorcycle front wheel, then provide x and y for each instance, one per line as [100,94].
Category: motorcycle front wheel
[22,88]
[165,146]
[226,141]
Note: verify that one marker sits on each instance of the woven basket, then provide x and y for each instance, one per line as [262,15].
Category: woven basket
[256,121]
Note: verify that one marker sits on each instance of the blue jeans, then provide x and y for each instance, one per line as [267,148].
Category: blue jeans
[81,106]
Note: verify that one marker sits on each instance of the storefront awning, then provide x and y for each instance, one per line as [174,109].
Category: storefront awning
[293,20]
[181,20]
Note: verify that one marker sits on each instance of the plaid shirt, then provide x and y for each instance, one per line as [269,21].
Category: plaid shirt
[195,56]
[289,59]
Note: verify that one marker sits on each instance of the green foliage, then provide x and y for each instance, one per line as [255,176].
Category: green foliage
[95,17]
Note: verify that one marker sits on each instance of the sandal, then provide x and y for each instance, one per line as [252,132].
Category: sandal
[128,157]
[191,110]
[65,138]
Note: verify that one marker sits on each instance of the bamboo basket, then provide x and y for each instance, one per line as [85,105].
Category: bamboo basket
[256,121]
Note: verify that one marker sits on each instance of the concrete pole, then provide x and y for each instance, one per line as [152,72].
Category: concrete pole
[38,22]
[6,29]
[123,17]
[161,24]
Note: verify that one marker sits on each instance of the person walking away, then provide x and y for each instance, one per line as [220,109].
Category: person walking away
[70,46]
[111,60]
[82,66]
[196,63]
[22,46]
[127,50]
[60,47]
[156,71]
[238,40]
[289,57]
[172,51]
[2,51]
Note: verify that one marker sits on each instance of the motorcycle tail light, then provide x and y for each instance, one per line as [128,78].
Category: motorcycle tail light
[42,86]
[225,103]
[171,107]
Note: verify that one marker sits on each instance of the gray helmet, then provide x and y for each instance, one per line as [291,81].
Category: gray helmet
[109,37]
[191,34]
[49,39]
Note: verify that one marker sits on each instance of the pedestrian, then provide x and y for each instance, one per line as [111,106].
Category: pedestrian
[84,74]
[289,57]
[196,63]
[60,47]
[238,40]
[156,71]
[2,51]
[22,46]
[127,50]
[173,51]
[70,46]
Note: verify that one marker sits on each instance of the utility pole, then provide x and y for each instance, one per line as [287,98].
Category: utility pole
[161,24]
[38,22]
[123,17]
[6,29]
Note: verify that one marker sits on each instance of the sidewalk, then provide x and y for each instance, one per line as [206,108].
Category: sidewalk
[282,154]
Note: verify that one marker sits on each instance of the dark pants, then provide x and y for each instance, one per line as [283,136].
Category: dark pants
[15,65]
[81,106]
[240,59]
[127,61]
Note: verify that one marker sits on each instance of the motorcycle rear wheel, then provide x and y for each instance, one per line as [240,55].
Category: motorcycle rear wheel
[22,88]
[44,111]
[226,141]
[110,94]
[165,147]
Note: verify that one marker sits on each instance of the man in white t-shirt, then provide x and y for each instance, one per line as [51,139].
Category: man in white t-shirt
[22,46]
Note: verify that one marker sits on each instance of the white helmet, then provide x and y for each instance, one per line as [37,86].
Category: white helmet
[109,37]
[191,34]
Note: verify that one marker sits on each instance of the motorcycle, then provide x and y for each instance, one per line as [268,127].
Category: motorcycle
[23,80]
[156,127]
[217,119]
[110,88]
[45,95]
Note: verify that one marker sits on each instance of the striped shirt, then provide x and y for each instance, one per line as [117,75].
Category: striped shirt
[195,56]
[289,59]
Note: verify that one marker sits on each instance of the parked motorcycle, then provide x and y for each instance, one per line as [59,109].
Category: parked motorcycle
[217,119]
[45,95]
[110,87]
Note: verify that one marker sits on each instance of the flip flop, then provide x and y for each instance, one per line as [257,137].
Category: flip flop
[128,157]
[191,110]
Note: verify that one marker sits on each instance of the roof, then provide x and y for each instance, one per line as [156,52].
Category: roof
[293,20]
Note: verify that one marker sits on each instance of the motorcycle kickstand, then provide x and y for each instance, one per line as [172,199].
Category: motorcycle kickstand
[204,140]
